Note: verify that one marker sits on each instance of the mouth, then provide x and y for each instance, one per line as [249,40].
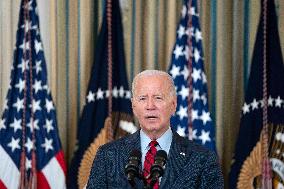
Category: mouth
[151,117]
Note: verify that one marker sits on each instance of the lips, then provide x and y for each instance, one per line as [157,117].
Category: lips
[151,117]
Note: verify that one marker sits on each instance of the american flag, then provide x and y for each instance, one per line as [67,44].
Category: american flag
[28,125]
[188,48]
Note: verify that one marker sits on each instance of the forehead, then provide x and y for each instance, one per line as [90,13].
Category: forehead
[152,83]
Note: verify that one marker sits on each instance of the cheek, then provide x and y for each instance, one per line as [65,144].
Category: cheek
[136,111]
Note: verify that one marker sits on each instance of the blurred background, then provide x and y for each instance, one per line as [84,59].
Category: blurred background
[69,30]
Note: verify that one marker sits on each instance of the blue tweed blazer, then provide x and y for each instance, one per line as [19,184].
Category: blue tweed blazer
[189,165]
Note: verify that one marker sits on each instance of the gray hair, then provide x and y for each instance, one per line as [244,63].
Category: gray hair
[155,73]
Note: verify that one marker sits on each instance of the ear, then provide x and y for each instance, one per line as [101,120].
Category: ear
[174,105]
[133,106]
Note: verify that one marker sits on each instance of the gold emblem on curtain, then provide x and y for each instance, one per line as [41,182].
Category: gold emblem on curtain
[250,174]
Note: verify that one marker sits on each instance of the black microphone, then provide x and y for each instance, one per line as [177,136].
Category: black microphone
[157,169]
[132,167]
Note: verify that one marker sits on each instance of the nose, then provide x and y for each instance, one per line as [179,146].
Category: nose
[150,104]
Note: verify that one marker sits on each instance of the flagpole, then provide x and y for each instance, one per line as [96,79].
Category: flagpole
[266,168]
[23,176]
[190,86]
[109,59]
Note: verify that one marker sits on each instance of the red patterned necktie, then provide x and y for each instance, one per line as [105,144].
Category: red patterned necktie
[149,160]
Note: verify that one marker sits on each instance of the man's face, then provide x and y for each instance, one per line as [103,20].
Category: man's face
[153,104]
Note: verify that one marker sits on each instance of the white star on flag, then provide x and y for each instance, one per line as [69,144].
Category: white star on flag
[198,35]
[205,117]
[16,125]
[178,51]
[29,145]
[20,85]
[182,112]
[196,74]
[121,92]
[36,105]
[254,104]
[2,124]
[90,97]
[33,125]
[204,137]
[24,65]
[38,46]
[47,145]
[48,125]
[196,55]
[115,92]
[278,102]
[174,71]
[27,26]
[19,104]
[181,31]
[37,86]
[14,144]
[181,131]
[28,164]
[25,46]
[183,92]
[49,105]
[270,101]
[245,108]
[38,66]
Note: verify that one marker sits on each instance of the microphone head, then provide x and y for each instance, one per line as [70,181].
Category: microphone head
[157,169]
[136,153]
[161,154]
[132,167]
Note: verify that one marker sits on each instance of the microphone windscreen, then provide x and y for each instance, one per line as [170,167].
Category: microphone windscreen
[162,154]
[136,153]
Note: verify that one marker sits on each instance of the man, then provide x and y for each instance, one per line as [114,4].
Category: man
[189,165]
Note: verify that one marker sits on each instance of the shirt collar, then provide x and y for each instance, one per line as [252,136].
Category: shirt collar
[164,141]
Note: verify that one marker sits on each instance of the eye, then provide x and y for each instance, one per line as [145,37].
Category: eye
[158,97]
[141,98]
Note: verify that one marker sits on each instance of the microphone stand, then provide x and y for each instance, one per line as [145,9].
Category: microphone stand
[145,184]
[132,184]
[152,183]
[149,185]
[140,177]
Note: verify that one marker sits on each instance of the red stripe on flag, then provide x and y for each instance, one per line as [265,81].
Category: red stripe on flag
[2,186]
[41,181]
[60,158]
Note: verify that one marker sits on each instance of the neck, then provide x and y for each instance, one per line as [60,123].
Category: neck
[154,135]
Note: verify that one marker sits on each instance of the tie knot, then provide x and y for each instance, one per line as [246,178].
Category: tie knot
[153,143]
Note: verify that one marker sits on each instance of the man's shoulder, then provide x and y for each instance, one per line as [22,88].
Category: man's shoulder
[121,142]
[192,147]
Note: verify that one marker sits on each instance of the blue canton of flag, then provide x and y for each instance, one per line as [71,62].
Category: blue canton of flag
[28,124]
[202,124]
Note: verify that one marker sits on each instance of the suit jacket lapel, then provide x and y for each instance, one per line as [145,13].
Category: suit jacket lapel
[176,160]
[131,143]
